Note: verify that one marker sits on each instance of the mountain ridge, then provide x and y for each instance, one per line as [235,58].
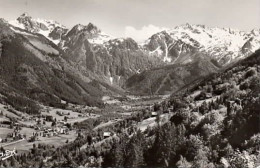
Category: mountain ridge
[225,45]
[116,60]
[36,70]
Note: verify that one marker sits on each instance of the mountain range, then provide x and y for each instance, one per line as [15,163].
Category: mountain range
[82,64]
[223,44]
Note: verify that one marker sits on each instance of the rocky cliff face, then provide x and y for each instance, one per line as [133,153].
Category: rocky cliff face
[33,68]
[57,33]
[224,45]
[175,45]
[113,60]
[48,28]
[92,51]
[30,24]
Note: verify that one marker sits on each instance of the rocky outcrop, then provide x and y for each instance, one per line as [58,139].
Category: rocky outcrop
[57,33]
[113,61]
[30,24]
[48,28]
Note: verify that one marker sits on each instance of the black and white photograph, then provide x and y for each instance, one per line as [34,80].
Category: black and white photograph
[130,83]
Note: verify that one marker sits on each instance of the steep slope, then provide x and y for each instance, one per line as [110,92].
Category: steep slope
[35,68]
[223,112]
[225,45]
[215,123]
[95,55]
[112,59]
[168,79]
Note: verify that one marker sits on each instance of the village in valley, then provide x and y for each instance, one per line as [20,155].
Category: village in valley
[98,83]
[57,127]
[52,126]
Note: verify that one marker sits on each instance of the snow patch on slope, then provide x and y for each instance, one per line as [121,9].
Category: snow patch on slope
[21,32]
[100,38]
[166,58]
[15,23]
[111,80]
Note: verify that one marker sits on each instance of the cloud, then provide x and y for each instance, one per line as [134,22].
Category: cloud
[142,34]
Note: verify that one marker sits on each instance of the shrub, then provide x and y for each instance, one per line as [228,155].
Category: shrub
[250,72]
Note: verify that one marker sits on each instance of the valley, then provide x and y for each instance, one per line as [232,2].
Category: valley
[56,127]
[187,96]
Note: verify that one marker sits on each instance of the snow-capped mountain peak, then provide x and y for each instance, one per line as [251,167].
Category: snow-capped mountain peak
[48,28]
[222,44]
[25,14]
[79,28]
[92,28]
[91,32]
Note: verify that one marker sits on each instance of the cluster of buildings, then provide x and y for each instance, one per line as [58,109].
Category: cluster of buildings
[48,132]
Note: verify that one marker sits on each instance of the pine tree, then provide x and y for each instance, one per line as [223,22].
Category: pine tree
[134,156]
[193,144]
[183,163]
[201,159]
[117,153]
[13,162]
[163,144]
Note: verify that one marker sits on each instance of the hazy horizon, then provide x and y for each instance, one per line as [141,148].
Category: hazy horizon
[139,19]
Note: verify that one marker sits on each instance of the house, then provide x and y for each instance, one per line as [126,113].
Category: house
[66,130]
[48,134]
[106,134]
[154,114]
[62,130]
[49,118]
[17,124]
[208,95]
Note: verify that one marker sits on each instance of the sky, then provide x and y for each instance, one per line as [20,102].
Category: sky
[139,19]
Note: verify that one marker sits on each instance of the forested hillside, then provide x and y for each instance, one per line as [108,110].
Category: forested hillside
[34,70]
[214,124]
[170,78]
[97,83]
